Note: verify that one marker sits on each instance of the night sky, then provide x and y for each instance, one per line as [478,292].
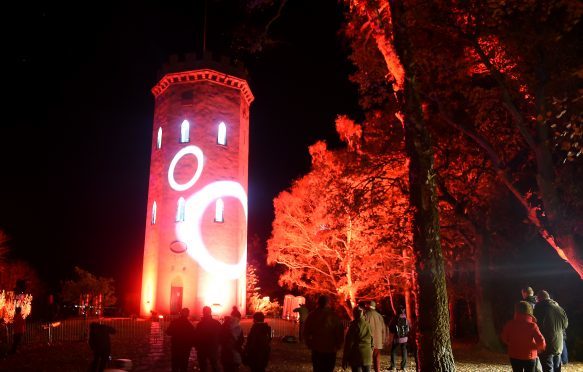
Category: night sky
[77,120]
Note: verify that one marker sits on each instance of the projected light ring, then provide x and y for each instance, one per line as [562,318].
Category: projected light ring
[197,152]
[190,230]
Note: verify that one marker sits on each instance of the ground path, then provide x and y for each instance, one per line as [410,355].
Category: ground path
[150,351]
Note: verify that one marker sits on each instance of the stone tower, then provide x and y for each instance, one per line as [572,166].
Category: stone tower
[195,250]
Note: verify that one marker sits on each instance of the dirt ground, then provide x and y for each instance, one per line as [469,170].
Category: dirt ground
[75,356]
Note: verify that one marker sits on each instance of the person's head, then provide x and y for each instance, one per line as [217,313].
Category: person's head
[542,295]
[18,310]
[258,317]
[235,313]
[184,313]
[372,305]
[523,307]
[402,310]
[323,301]
[207,312]
[357,312]
[526,292]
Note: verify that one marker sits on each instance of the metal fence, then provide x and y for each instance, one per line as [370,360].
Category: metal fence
[77,330]
[126,329]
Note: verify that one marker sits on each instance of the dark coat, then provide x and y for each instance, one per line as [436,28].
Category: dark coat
[323,331]
[552,322]
[99,340]
[258,346]
[207,336]
[182,333]
[358,344]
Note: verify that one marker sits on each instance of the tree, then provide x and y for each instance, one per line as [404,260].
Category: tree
[390,25]
[87,287]
[523,57]
[333,231]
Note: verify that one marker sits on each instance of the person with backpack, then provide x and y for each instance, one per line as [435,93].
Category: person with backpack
[400,330]
[258,346]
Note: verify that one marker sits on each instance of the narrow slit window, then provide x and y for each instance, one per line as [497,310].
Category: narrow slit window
[219,209]
[159,140]
[222,134]
[180,210]
[154,211]
[185,132]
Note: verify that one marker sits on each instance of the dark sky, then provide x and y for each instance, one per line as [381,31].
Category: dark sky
[77,119]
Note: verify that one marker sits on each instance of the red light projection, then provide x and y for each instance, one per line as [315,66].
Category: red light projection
[203,254]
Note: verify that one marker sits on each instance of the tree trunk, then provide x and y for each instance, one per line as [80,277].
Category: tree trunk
[484,314]
[433,337]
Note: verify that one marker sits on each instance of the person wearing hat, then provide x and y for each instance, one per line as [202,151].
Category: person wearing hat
[523,338]
[379,333]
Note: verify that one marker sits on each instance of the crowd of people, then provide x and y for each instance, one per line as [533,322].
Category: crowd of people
[219,346]
[223,346]
[536,336]
[361,345]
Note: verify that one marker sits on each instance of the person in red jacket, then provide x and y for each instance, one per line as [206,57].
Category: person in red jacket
[523,338]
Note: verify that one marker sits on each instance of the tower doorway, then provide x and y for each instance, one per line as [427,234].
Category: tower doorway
[175,300]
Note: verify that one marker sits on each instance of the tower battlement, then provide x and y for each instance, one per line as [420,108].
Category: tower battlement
[192,61]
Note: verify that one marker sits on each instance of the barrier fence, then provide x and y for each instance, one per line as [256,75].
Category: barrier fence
[126,329]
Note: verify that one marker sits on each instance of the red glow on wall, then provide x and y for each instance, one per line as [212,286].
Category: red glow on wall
[197,260]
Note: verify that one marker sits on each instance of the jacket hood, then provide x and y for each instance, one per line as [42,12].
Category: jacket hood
[525,317]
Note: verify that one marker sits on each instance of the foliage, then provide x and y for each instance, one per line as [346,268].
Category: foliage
[9,301]
[342,229]
[264,305]
[87,284]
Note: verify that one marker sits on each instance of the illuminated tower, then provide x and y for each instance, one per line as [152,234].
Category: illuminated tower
[195,250]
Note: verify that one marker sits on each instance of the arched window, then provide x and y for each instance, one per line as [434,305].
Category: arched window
[154,210]
[222,134]
[180,210]
[185,131]
[159,140]
[219,209]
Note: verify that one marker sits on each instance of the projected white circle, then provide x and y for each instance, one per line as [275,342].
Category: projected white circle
[190,230]
[197,152]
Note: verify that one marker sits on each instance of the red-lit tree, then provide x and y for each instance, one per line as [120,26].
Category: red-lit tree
[390,25]
[518,75]
[341,232]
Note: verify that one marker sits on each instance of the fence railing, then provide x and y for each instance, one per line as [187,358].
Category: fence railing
[77,330]
[126,328]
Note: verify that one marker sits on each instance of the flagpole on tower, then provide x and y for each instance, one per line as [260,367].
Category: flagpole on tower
[204,28]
